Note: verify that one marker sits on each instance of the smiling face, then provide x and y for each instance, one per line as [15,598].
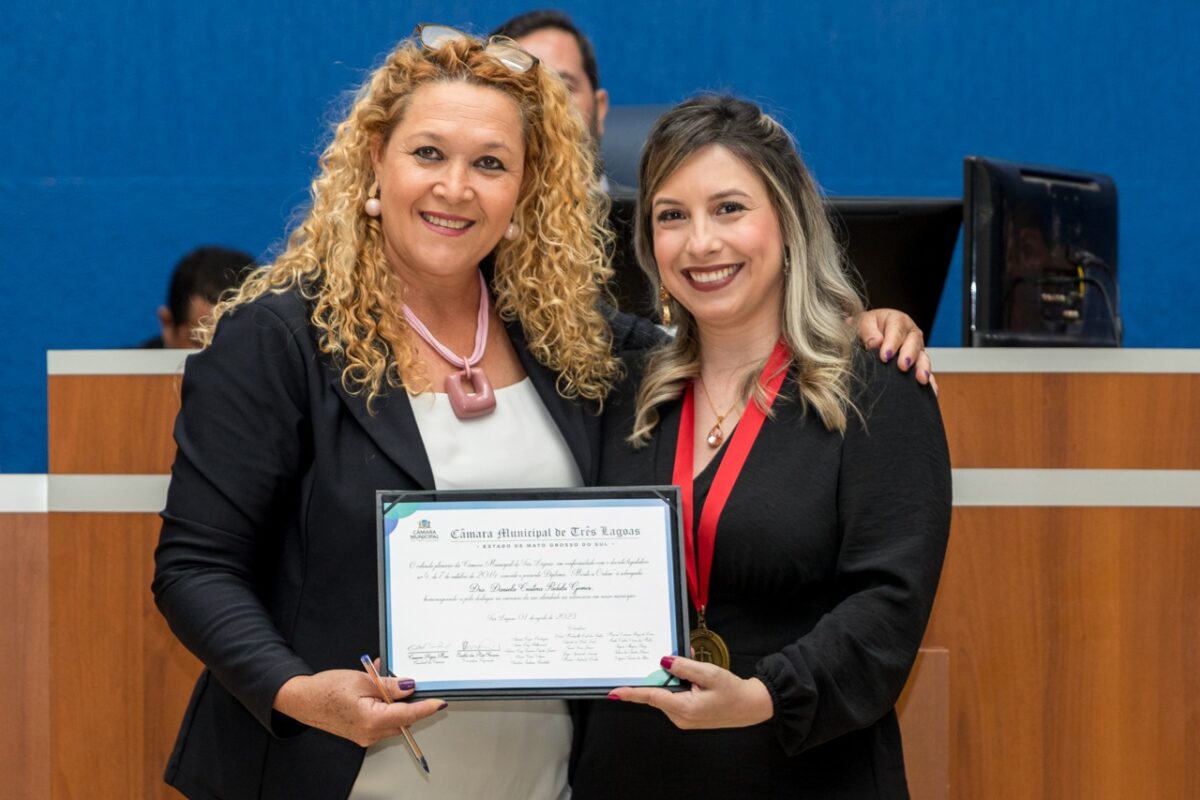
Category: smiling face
[449,177]
[717,243]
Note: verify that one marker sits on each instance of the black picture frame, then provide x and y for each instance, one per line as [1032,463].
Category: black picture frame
[514,686]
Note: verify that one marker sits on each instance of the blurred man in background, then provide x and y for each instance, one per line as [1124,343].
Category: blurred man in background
[197,283]
[553,37]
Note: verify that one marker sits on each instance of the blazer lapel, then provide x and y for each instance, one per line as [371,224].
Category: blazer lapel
[580,429]
[394,430]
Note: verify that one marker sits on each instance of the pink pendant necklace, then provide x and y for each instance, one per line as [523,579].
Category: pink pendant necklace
[480,399]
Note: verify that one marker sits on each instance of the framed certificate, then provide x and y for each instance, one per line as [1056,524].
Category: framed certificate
[531,593]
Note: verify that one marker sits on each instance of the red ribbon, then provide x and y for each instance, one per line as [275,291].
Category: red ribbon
[699,565]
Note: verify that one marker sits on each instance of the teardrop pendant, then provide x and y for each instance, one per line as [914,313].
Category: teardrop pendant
[715,436]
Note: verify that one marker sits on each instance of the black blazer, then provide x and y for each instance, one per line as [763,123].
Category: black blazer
[825,566]
[266,565]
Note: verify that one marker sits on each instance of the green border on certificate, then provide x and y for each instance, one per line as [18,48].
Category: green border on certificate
[531,592]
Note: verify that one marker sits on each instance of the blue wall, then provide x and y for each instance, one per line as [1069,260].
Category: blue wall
[135,130]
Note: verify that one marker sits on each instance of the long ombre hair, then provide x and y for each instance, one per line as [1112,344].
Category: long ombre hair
[819,301]
[549,278]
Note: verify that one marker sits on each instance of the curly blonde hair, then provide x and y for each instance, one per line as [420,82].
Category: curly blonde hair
[549,278]
[819,300]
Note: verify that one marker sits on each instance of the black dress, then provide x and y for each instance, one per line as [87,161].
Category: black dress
[826,562]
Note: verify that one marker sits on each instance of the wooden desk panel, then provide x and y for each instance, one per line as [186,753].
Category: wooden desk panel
[1078,421]
[1076,652]
[924,712]
[129,677]
[1070,648]
[24,658]
[112,424]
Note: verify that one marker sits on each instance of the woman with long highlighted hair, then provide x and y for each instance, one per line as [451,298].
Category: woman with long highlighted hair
[815,485]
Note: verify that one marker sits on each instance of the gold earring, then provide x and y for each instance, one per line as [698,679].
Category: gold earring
[664,299]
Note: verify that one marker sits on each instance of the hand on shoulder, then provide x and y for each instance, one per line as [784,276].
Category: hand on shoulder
[897,340]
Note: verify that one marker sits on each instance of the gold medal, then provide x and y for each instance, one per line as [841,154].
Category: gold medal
[708,647]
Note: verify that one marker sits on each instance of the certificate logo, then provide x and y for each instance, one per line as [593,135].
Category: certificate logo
[424,532]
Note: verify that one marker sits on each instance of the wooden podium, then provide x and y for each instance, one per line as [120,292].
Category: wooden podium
[1062,659]
[102,682]
[1068,606]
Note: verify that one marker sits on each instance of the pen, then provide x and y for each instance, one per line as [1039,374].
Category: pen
[408,737]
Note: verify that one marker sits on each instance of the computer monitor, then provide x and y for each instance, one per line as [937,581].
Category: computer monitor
[901,247]
[625,131]
[1039,256]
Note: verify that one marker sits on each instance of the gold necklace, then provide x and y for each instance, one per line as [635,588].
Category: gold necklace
[716,434]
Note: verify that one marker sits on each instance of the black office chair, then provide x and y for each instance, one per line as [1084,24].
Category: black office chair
[625,131]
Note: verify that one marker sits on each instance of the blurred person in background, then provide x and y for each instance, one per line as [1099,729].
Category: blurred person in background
[197,283]
[554,39]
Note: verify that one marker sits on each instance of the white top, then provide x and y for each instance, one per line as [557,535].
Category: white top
[516,446]
[506,749]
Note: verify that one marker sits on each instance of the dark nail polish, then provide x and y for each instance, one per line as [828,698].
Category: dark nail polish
[443,705]
[887,356]
[667,661]
[613,696]
[926,374]
[907,361]
[407,684]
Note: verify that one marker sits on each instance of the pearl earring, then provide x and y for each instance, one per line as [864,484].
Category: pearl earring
[510,232]
[373,207]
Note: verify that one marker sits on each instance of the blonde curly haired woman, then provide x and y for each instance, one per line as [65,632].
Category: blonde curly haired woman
[437,310]
[372,354]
